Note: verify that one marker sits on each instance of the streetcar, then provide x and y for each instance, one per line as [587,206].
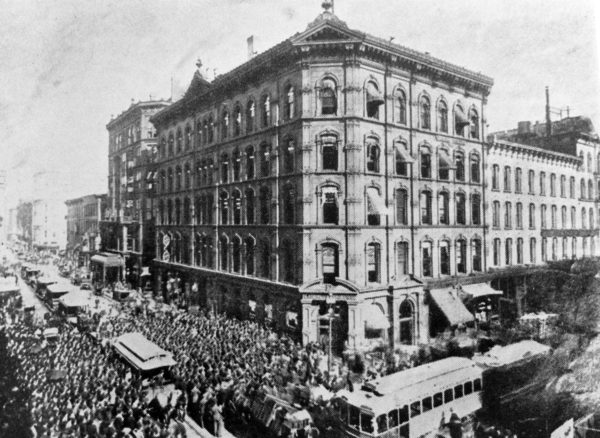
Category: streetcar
[410,403]
[53,293]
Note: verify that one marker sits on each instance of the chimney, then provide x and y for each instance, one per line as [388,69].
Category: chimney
[548,121]
[251,51]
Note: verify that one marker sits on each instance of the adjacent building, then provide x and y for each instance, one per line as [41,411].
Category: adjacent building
[335,171]
[127,223]
[83,230]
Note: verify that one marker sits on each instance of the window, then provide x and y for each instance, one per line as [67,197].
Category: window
[249,162]
[507,215]
[224,168]
[460,121]
[460,209]
[330,152]
[564,248]
[224,251]
[401,165]
[572,187]
[373,263]
[519,251]
[553,217]
[330,206]
[289,104]
[249,206]
[178,177]
[508,251]
[442,116]
[372,155]
[590,189]
[374,206]
[474,123]
[459,162]
[330,261]
[265,259]
[591,219]
[582,190]
[496,214]
[496,177]
[425,164]
[400,107]
[531,182]
[427,404]
[543,183]
[445,258]
[448,395]
[507,178]
[543,216]
[426,258]
[563,184]
[188,137]
[563,217]
[461,256]
[443,208]
[518,178]
[475,174]
[402,253]
[544,249]
[225,124]
[163,147]
[532,250]
[328,97]
[458,391]
[170,179]
[519,222]
[179,142]
[589,162]
[426,208]
[249,256]
[552,184]
[265,156]
[554,248]
[476,252]
[288,155]
[476,209]
[415,409]
[425,113]
[237,164]
[287,261]
[265,211]
[438,399]
[496,252]
[583,218]
[402,207]
[374,100]
[237,207]
[444,164]
[171,144]
[187,176]
[266,111]
[224,204]
[211,129]
[250,116]
[531,216]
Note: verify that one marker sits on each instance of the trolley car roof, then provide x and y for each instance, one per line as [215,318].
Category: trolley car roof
[142,353]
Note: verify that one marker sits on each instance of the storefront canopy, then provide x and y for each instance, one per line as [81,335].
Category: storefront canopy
[110,261]
[376,202]
[405,155]
[141,353]
[374,318]
[451,305]
[480,290]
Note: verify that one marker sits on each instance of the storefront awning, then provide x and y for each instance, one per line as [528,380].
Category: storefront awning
[405,155]
[452,306]
[460,119]
[445,160]
[376,202]
[479,290]
[374,96]
[374,318]
[110,261]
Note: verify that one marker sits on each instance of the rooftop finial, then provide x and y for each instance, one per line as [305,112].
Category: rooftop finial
[327,5]
[199,63]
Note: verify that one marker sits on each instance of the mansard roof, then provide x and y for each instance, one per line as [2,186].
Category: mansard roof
[326,31]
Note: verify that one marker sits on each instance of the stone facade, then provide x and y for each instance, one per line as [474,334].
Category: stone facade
[83,231]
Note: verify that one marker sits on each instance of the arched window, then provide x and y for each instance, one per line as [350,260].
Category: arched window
[329,151]
[426,216]
[188,137]
[573,217]
[532,250]
[475,209]
[179,140]
[563,186]
[442,111]
[289,149]
[507,178]
[199,173]
[225,124]
[177,211]
[161,212]
[582,191]
[508,251]
[289,103]
[288,204]
[170,212]
[205,132]
[330,261]
[187,176]
[425,157]
[171,144]
[237,120]
[374,99]
[224,167]
[237,254]
[402,207]
[543,216]
[476,255]
[519,251]
[461,209]
[328,97]
[553,215]
[407,322]
[211,129]
[373,153]
[210,202]
[163,148]
[460,121]
[163,181]
[373,262]
[589,162]
[496,214]
[444,164]
[330,205]
[178,177]
[590,189]
[265,210]
[427,259]
[249,255]
[198,131]
[461,256]
[249,162]
[583,217]
[425,113]
[209,171]
[552,184]
[266,111]
[572,187]
[400,107]
[265,157]
[198,213]
[170,179]
[519,215]
[564,248]
[591,218]
[563,217]
[518,180]
[187,211]
[237,207]
[444,207]
[474,123]
[475,173]
[401,159]
[249,206]
[224,206]
[236,164]
[250,116]
[495,177]
[375,206]
[459,163]
[444,257]
[265,258]
[224,253]
[554,248]
[287,261]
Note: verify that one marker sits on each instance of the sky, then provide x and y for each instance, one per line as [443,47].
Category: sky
[68,66]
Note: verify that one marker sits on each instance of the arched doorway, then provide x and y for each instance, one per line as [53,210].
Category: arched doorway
[339,326]
[407,323]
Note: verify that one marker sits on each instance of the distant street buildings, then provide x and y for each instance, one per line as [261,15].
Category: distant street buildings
[83,226]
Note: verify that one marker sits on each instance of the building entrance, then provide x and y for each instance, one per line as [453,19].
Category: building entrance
[339,325]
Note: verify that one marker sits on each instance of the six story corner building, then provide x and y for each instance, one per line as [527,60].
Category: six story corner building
[335,170]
